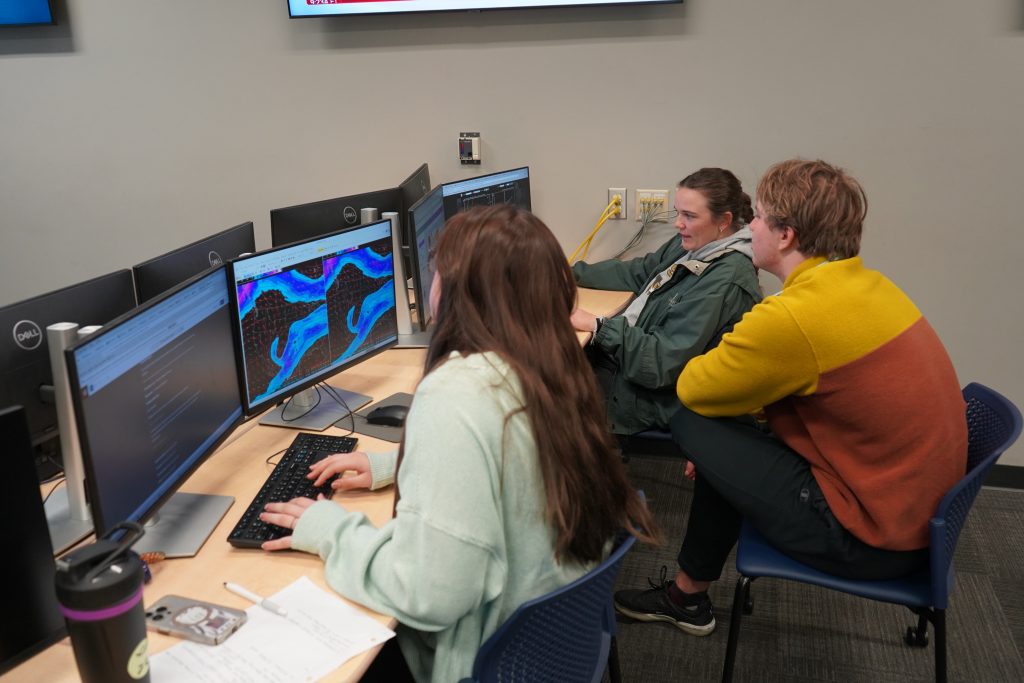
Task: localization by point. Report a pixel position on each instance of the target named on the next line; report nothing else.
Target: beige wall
(140, 125)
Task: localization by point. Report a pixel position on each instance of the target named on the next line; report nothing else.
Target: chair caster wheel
(915, 638)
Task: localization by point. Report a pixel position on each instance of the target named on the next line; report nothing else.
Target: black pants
(744, 472)
(388, 666)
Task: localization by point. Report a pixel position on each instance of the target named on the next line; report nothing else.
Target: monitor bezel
(17, 445)
(423, 312)
(148, 263)
(38, 411)
(451, 183)
(448, 10)
(390, 195)
(255, 409)
(52, 22)
(416, 179)
(95, 500)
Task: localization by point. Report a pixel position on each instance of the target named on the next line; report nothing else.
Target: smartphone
(203, 622)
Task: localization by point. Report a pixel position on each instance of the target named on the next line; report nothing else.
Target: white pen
(252, 597)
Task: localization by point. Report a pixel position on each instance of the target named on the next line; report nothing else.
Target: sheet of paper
(319, 634)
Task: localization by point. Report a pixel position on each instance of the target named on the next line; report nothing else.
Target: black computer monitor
(306, 311)
(155, 392)
(425, 219)
(30, 617)
(25, 376)
(505, 187)
(301, 222)
(412, 190)
(159, 274)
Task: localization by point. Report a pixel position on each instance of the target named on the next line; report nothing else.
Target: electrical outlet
(652, 206)
(622, 213)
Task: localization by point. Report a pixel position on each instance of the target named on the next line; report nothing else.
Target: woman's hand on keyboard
(285, 515)
(357, 463)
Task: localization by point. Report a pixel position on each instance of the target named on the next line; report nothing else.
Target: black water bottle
(99, 588)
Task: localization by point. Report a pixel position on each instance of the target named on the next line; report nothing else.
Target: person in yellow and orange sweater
(867, 423)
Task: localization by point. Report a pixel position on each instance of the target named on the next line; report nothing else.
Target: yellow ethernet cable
(609, 211)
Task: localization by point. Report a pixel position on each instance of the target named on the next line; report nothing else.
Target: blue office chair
(650, 442)
(565, 636)
(993, 424)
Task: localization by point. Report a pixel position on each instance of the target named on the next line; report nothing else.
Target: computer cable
(612, 209)
(344, 404)
(303, 414)
(648, 215)
(56, 466)
(274, 455)
(55, 487)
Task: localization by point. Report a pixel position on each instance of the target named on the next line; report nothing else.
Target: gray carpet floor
(804, 633)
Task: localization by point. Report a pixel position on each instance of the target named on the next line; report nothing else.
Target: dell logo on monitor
(27, 335)
(350, 215)
(215, 259)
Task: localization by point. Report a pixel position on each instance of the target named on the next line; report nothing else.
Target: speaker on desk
(30, 618)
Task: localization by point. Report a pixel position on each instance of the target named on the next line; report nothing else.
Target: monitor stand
(415, 340)
(65, 530)
(183, 524)
(298, 413)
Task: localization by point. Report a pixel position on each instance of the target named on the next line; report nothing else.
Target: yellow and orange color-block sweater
(852, 377)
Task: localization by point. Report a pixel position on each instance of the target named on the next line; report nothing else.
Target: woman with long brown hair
(509, 482)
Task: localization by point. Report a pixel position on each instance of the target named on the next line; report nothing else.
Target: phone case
(203, 622)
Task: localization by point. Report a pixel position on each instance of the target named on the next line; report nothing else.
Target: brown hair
(506, 287)
(723, 192)
(822, 203)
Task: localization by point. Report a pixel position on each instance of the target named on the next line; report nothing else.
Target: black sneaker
(654, 604)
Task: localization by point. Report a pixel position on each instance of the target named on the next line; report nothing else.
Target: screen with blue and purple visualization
(314, 8)
(307, 310)
(25, 12)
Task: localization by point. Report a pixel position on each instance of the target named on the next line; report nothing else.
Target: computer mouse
(390, 416)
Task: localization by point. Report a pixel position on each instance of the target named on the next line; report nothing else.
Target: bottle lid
(101, 574)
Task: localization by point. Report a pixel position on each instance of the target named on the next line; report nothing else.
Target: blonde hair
(822, 204)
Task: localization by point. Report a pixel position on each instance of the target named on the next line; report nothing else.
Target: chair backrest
(563, 636)
(993, 424)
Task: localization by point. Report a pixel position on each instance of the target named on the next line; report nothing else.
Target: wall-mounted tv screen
(319, 8)
(26, 12)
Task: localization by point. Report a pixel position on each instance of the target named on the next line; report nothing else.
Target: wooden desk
(600, 302)
(238, 468)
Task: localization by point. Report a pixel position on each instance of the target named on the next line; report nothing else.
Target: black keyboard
(287, 481)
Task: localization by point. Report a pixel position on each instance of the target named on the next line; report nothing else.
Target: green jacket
(681, 320)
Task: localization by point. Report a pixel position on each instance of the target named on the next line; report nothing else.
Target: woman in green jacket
(509, 485)
(689, 293)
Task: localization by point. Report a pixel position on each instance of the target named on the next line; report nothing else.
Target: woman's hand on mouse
(356, 462)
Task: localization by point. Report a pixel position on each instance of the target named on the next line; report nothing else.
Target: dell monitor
(30, 617)
(412, 190)
(301, 222)
(322, 8)
(159, 274)
(425, 219)
(26, 12)
(25, 375)
(306, 311)
(156, 391)
(506, 187)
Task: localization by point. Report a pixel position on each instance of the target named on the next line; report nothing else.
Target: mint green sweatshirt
(469, 543)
